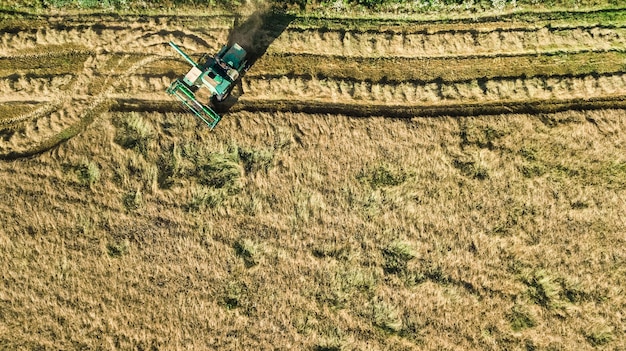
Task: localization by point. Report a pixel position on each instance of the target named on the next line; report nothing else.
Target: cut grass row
(446, 69)
(432, 42)
(530, 61)
(427, 41)
(439, 39)
(59, 61)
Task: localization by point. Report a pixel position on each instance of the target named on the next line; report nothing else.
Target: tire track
(68, 113)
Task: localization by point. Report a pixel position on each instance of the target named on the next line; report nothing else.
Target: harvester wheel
(228, 100)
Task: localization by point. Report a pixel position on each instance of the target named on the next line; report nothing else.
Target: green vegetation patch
(611, 174)
(386, 316)
(383, 176)
(88, 172)
(203, 198)
(235, 294)
(133, 200)
(600, 336)
(614, 173)
(345, 286)
(472, 168)
(255, 160)
(520, 318)
(397, 255)
(117, 248)
(553, 292)
(135, 133)
(543, 289)
(248, 251)
(220, 170)
(217, 174)
(480, 135)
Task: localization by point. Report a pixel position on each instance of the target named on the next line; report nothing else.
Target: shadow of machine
(255, 34)
(258, 32)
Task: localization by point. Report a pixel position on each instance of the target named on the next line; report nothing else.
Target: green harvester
(218, 74)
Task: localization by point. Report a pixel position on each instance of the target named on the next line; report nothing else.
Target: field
(378, 182)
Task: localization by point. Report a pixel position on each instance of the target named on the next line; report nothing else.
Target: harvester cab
(218, 75)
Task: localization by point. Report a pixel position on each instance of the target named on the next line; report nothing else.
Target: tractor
(218, 74)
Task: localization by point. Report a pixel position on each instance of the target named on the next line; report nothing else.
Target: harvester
(218, 74)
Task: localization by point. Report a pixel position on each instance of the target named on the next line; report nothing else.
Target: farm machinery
(218, 75)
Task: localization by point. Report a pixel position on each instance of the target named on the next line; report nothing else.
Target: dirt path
(56, 73)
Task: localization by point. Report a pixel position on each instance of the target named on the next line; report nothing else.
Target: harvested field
(73, 64)
(381, 184)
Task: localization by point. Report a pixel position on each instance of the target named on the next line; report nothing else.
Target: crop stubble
(53, 73)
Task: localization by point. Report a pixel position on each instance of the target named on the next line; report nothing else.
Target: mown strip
(50, 63)
(606, 17)
(447, 69)
(394, 70)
